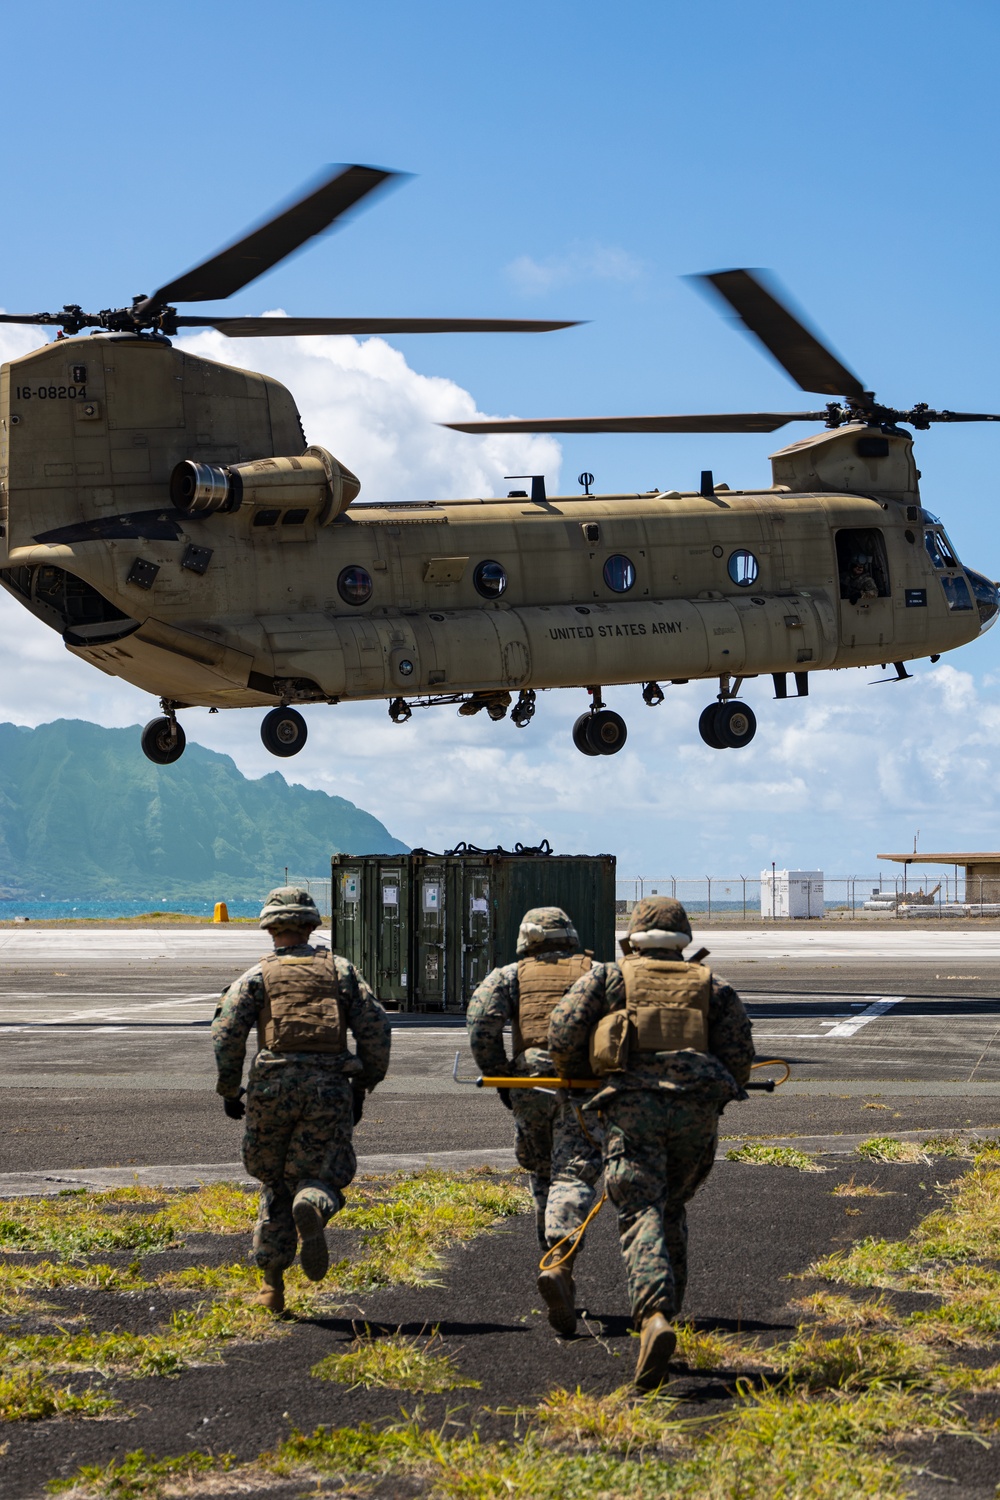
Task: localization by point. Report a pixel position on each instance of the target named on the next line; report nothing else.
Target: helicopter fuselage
(285, 597)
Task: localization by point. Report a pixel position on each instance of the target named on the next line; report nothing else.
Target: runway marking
(854, 1023)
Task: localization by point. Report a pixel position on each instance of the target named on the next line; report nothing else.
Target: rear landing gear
(283, 731)
(728, 725)
(601, 731)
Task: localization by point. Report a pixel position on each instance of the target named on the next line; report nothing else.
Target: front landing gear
(283, 731)
(600, 731)
(163, 740)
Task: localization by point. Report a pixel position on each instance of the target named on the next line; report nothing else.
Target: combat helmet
(545, 927)
(657, 922)
(289, 906)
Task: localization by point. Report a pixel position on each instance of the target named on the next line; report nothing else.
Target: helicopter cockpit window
(294, 518)
(939, 550)
(489, 579)
(619, 573)
(956, 591)
(354, 585)
(743, 568)
(862, 564)
(266, 517)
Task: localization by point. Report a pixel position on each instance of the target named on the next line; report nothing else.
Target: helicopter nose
(987, 596)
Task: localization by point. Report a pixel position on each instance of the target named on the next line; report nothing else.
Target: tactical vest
(302, 1010)
(666, 1010)
(541, 983)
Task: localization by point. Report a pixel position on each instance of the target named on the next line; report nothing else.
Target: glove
(358, 1090)
(235, 1108)
(504, 1096)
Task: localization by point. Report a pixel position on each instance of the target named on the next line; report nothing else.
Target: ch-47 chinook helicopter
(164, 513)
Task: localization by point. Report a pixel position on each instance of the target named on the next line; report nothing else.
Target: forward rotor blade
(806, 359)
(255, 328)
(50, 319)
(263, 248)
(741, 421)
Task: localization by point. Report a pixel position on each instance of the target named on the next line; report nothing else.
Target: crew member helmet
(546, 927)
(289, 906)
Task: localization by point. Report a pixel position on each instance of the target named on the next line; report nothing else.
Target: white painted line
(854, 1023)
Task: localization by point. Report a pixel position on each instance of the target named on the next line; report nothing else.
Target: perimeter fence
(738, 897)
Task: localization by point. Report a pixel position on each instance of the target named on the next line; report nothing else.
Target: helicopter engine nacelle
(315, 483)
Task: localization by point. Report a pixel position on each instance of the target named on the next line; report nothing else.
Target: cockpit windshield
(940, 550)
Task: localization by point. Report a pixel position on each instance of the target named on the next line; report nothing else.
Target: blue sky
(571, 160)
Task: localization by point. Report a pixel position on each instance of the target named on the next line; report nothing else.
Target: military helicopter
(165, 514)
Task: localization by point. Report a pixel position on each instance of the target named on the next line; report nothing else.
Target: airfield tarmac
(107, 1062)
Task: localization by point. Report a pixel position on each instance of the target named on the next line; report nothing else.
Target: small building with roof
(982, 870)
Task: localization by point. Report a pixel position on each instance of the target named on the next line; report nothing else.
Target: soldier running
(306, 1089)
(552, 1142)
(675, 1045)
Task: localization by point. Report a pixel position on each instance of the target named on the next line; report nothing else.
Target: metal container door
(388, 979)
(477, 930)
(430, 926)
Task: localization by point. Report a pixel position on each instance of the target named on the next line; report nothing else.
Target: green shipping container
(424, 929)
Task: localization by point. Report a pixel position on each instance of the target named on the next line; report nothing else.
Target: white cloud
(828, 781)
(579, 263)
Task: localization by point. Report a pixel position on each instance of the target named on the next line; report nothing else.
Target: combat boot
(657, 1343)
(559, 1295)
(313, 1254)
(272, 1294)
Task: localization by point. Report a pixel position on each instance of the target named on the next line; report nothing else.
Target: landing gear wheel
(606, 732)
(707, 729)
(163, 741)
(283, 731)
(735, 724)
(580, 739)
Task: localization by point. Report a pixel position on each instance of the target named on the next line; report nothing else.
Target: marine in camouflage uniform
(305, 1090)
(660, 1108)
(561, 1151)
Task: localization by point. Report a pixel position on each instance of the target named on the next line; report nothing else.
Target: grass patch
(830, 1308)
(26, 1397)
(394, 1362)
(137, 1219)
(139, 1475)
(852, 1189)
(756, 1154)
(890, 1148)
(710, 1350)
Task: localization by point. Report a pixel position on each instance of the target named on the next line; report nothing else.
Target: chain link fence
(739, 897)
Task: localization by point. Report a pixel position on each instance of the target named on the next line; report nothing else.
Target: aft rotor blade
(263, 248)
(255, 328)
(955, 416)
(806, 359)
(741, 421)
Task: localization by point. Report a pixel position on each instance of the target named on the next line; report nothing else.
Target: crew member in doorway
(306, 1087)
(553, 1142)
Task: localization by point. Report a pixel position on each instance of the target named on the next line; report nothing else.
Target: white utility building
(791, 893)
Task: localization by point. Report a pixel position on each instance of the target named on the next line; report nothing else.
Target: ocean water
(41, 910)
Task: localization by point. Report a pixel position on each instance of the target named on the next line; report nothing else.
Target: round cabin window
(355, 585)
(743, 568)
(619, 573)
(490, 579)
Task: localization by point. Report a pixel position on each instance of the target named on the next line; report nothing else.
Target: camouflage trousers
(551, 1144)
(297, 1143)
(659, 1148)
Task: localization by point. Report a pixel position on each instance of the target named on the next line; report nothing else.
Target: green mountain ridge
(84, 813)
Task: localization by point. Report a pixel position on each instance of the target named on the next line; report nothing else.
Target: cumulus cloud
(580, 263)
(361, 399)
